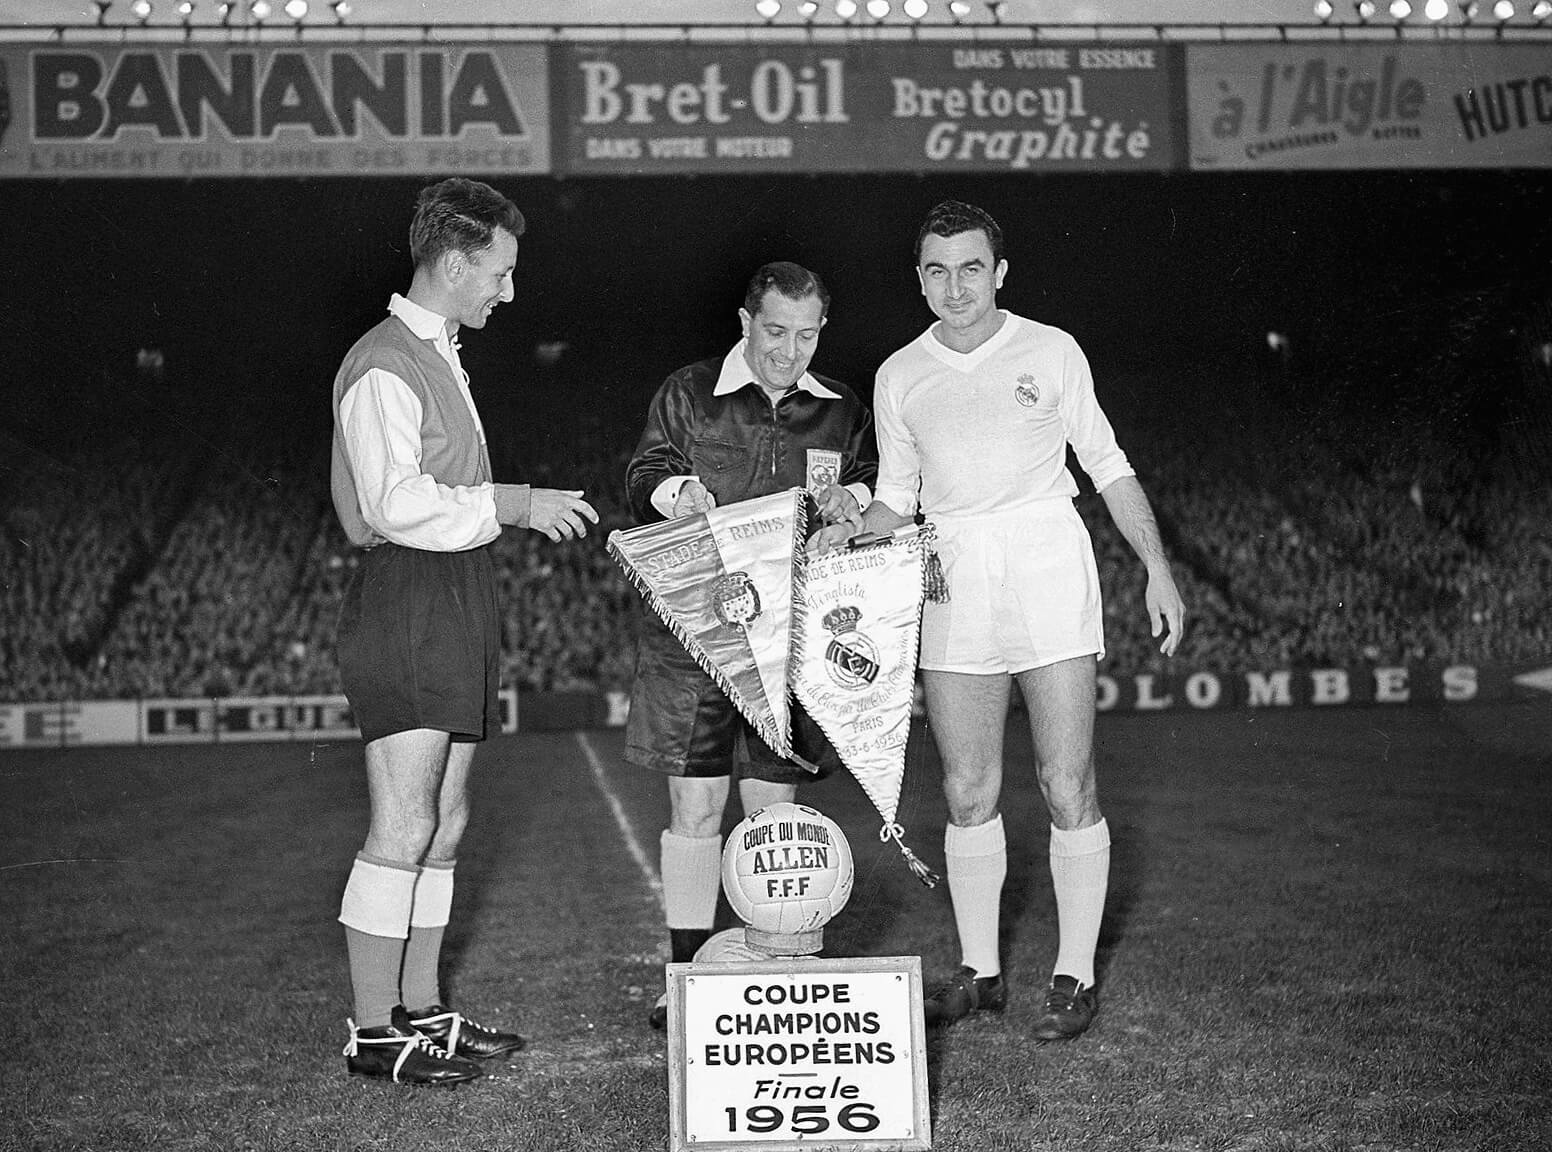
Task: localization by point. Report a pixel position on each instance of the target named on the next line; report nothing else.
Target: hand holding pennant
(854, 662)
(723, 582)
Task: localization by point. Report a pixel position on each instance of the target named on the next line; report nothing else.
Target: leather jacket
(740, 445)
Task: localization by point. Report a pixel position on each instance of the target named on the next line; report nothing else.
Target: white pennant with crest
(854, 662)
(723, 581)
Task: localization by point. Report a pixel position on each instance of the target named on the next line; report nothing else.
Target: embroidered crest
(851, 660)
(735, 600)
(1028, 392)
(824, 469)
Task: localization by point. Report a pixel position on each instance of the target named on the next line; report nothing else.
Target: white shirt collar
(735, 374)
(423, 322)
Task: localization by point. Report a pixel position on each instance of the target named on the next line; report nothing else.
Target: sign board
(56, 724)
(147, 110)
(1279, 107)
(489, 109)
(634, 109)
(787, 1054)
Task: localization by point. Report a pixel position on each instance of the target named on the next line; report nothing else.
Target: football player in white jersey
(974, 420)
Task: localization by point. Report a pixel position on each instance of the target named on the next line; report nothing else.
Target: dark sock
(374, 976)
(684, 943)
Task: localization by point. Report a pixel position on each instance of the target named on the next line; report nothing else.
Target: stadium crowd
(138, 567)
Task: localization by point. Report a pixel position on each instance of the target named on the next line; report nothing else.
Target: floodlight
(768, 9)
(1468, 11)
(845, 9)
(1541, 10)
(1436, 10)
(1503, 10)
(297, 10)
(260, 10)
(141, 10)
(915, 9)
(958, 9)
(1365, 10)
(1400, 9)
(1324, 10)
(878, 9)
(808, 9)
(224, 10)
(341, 10)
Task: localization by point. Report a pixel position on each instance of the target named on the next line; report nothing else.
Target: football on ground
(787, 871)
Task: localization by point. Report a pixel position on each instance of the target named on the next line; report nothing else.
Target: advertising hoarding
(631, 109)
(148, 110)
(1369, 105)
(622, 108)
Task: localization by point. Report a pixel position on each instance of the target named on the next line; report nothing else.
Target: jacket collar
(735, 374)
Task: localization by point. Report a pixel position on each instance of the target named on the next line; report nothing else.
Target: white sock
(1080, 875)
(976, 860)
(692, 877)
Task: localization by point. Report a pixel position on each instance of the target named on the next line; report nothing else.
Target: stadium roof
(177, 20)
(54, 13)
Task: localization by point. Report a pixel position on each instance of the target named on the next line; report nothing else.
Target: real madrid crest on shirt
(723, 583)
(1028, 392)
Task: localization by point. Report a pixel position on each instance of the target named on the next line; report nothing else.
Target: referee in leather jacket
(748, 424)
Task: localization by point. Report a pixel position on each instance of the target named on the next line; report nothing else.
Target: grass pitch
(1326, 931)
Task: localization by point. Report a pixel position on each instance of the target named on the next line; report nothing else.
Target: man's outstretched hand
(560, 513)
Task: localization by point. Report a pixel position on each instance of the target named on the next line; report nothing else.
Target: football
(787, 871)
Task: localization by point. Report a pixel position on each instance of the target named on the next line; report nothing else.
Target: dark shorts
(682, 724)
(420, 641)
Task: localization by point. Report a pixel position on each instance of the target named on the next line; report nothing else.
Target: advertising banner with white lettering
(1371, 105)
(884, 107)
(103, 110)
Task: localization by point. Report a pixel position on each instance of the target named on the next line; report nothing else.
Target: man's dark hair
(459, 215)
(790, 280)
(952, 217)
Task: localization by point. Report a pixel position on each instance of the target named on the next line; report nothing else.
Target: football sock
(692, 877)
(976, 860)
(375, 911)
(684, 943)
(1080, 874)
(419, 984)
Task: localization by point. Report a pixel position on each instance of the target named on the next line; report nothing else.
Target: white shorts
(1023, 592)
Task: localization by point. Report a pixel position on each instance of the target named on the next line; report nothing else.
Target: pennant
(723, 582)
(854, 660)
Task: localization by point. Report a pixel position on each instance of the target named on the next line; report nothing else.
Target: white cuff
(666, 494)
(378, 899)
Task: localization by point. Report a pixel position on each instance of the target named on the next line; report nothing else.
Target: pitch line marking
(64, 860)
(627, 830)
